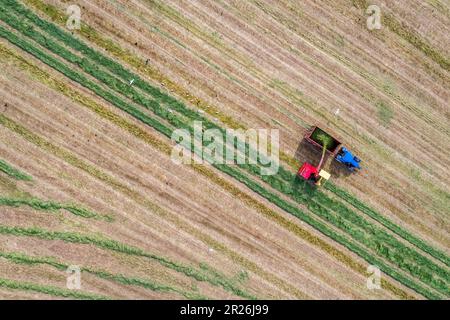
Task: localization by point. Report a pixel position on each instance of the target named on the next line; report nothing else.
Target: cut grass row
(139, 198)
(405, 32)
(289, 208)
(20, 258)
(13, 172)
(159, 96)
(165, 148)
(438, 283)
(57, 16)
(126, 90)
(130, 58)
(51, 206)
(374, 237)
(49, 290)
(203, 273)
(419, 243)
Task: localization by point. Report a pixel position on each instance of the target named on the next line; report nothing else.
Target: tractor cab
(345, 157)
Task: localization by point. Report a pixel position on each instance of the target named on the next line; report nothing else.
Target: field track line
(20, 258)
(52, 291)
(13, 172)
(436, 284)
(51, 206)
(202, 274)
(157, 143)
(120, 54)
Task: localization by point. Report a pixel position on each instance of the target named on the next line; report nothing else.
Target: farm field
(87, 179)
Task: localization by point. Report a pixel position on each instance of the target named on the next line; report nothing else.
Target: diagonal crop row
(165, 148)
(13, 172)
(413, 269)
(55, 15)
(291, 209)
(388, 223)
(53, 291)
(20, 258)
(199, 274)
(160, 97)
(52, 206)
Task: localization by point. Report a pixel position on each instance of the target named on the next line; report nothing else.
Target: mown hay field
(87, 180)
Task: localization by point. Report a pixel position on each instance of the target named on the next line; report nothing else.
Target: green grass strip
(52, 291)
(108, 244)
(69, 72)
(125, 75)
(13, 173)
(436, 283)
(405, 32)
(388, 224)
(52, 206)
(365, 232)
(118, 78)
(20, 258)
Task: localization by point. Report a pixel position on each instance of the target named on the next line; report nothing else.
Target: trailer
(312, 134)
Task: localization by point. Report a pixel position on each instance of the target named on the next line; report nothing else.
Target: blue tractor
(345, 157)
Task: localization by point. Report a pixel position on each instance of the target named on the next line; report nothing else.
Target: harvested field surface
(89, 188)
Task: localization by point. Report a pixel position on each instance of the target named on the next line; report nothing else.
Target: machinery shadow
(339, 170)
(305, 152)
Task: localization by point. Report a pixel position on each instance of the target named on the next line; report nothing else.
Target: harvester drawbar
(329, 146)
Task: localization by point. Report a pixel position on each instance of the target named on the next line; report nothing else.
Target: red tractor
(308, 172)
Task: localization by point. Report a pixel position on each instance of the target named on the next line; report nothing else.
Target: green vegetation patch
(52, 291)
(52, 206)
(349, 222)
(12, 172)
(20, 258)
(198, 274)
(385, 113)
